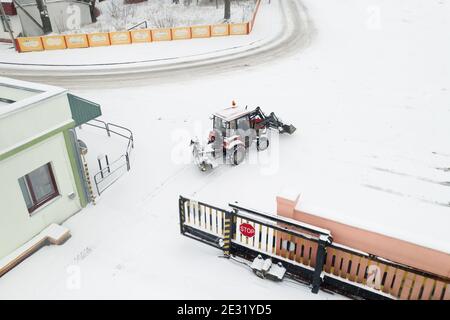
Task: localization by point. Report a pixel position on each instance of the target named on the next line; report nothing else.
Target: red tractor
(234, 131)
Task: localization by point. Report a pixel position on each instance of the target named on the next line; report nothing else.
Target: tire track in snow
(155, 191)
(216, 172)
(204, 181)
(397, 193)
(406, 175)
(398, 185)
(295, 35)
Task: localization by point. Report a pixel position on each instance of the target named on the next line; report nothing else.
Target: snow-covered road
(367, 85)
(289, 30)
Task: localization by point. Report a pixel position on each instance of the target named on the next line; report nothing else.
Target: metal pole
(320, 261)
(227, 229)
(8, 26)
(127, 158)
(107, 163)
(99, 160)
(182, 214)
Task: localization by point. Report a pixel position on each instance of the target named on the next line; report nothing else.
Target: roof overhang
(83, 110)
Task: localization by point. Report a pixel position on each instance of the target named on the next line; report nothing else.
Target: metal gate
(307, 252)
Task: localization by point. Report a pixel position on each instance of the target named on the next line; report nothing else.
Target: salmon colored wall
(396, 250)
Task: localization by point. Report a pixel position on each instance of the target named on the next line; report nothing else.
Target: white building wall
(33, 120)
(60, 14)
(16, 26)
(16, 224)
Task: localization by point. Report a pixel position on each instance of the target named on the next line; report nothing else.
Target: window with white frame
(38, 187)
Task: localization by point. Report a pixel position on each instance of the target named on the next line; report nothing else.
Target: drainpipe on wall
(76, 147)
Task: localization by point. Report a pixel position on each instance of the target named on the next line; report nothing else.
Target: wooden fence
(307, 252)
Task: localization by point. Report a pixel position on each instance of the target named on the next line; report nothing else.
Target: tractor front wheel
(238, 154)
(262, 143)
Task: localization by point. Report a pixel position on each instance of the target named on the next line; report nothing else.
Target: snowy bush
(116, 15)
(120, 14)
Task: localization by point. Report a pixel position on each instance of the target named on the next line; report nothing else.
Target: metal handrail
(106, 169)
(97, 120)
(130, 137)
(130, 145)
(106, 126)
(110, 172)
(285, 221)
(137, 25)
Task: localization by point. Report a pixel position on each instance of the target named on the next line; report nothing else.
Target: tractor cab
(230, 119)
(232, 123)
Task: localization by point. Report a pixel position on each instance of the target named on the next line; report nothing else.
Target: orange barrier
(219, 30)
(141, 36)
(30, 44)
(181, 33)
(120, 37)
(27, 44)
(76, 41)
(239, 29)
(201, 31)
(161, 34)
(98, 39)
(54, 42)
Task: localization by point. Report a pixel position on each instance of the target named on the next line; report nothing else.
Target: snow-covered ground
(370, 98)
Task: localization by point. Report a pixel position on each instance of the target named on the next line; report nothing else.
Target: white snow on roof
(231, 113)
(289, 193)
(380, 220)
(42, 91)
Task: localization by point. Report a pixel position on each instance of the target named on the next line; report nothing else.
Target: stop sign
(247, 230)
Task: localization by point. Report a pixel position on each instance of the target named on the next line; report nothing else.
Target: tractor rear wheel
(262, 143)
(238, 154)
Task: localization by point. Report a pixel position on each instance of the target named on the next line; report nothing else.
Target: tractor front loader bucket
(272, 121)
(288, 129)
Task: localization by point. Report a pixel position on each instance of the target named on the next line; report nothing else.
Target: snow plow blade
(288, 129)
